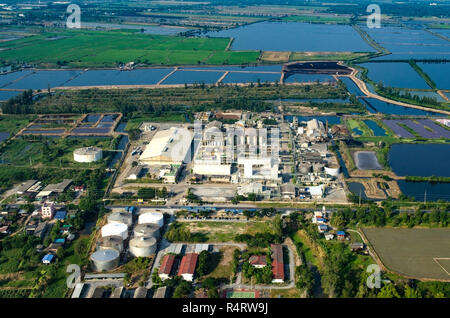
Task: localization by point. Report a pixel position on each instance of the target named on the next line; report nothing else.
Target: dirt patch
(274, 56)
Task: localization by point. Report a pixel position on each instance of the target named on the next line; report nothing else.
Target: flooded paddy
(191, 77)
(294, 36)
(366, 160)
(422, 160)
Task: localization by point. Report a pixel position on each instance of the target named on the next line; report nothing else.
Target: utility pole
(425, 197)
(360, 197)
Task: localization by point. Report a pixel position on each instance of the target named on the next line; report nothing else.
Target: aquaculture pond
(376, 129)
(149, 76)
(332, 120)
(357, 189)
(400, 75)
(304, 78)
(7, 78)
(238, 77)
(191, 77)
(366, 160)
(422, 160)
(5, 95)
(377, 106)
(294, 36)
(44, 79)
(434, 191)
(406, 43)
(438, 72)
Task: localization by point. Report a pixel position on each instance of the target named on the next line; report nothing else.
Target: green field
(241, 294)
(418, 253)
(51, 152)
(75, 48)
(13, 124)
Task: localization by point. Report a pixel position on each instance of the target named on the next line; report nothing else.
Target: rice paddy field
(411, 128)
(417, 253)
(102, 49)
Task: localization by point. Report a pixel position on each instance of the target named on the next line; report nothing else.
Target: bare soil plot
(417, 253)
(273, 56)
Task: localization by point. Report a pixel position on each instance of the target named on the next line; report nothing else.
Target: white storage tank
(121, 217)
(105, 260)
(332, 170)
(143, 246)
(148, 229)
(118, 229)
(113, 241)
(151, 217)
(87, 154)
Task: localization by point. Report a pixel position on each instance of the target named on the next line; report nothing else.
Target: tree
(388, 291)
(183, 290)
(410, 292)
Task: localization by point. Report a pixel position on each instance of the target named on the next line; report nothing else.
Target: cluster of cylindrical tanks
(105, 259)
(121, 217)
(108, 242)
(151, 217)
(146, 230)
(143, 243)
(143, 246)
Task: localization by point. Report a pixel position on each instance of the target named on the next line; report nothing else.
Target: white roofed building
(170, 146)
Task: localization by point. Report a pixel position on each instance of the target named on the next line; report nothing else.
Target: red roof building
(166, 266)
(187, 266)
(258, 261)
(277, 263)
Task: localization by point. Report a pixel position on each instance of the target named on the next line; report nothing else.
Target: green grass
(240, 294)
(60, 151)
(75, 48)
(13, 124)
(359, 125)
(300, 56)
(136, 121)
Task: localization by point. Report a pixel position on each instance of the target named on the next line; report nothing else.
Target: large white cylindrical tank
(118, 229)
(121, 217)
(148, 229)
(113, 241)
(105, 260)
(332, 170)
(143, 246)
(87, 154)
(151, 217)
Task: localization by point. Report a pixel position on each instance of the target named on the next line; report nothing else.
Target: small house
(258, 261)
(340, 235)
(322, 228)
(47, 259)
(329, 236)
(357, 246)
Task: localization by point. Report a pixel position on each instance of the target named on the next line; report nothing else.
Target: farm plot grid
(418, 253)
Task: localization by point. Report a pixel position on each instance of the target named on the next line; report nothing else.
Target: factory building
(187, 266)
(165, 271)
(167, 147)
(277, 263)
(87, 154)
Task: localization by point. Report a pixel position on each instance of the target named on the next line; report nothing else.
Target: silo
(151, 217)
(332, 170)
(113, 241)
(148, 229)
(105, 260)
(143, 246)
(119, 229)
(121, 217)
